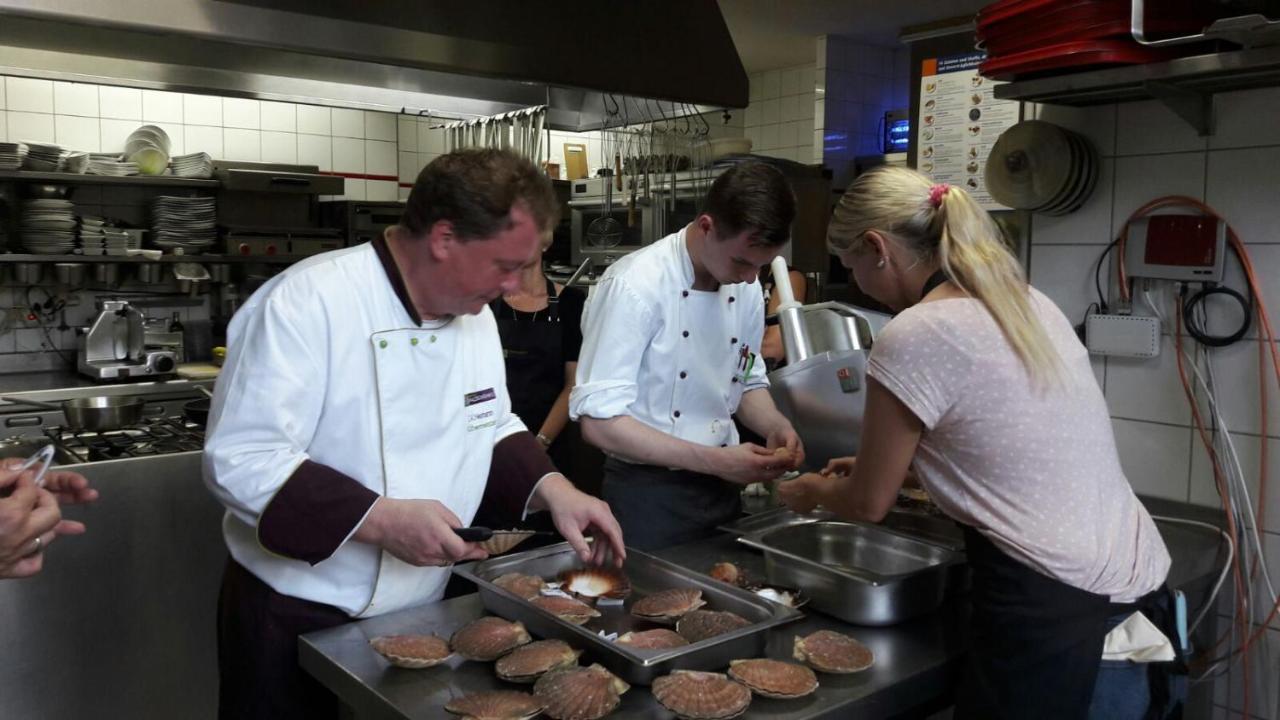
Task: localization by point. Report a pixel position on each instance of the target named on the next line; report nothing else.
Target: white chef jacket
(674, 358)
(325, 363)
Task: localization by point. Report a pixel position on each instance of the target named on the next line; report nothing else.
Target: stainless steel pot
(105, 412)
(150, 273)
(106, 273)
(28, 273)
(71, 274)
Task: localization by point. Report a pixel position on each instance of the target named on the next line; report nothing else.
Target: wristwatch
(546, 441)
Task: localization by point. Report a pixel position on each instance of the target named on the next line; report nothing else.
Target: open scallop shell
(830, 652)
(525, 586)
(599, 582)
(503, 540)
(656, 639)
(412, 651)
(694, 695)
(488, 638)
(703, 624)
(584, 693)
(667, 606)
(526, 663)
(496, 705)
(728, 573)
(567, 609)
(774, 678)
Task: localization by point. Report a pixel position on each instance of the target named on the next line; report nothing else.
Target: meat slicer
(115, 346)
(822, 388)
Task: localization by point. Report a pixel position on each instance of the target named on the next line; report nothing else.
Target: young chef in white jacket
(362, 414)
(671, 342)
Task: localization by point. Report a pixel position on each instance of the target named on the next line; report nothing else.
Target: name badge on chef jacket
(746, 361)
(481, 412)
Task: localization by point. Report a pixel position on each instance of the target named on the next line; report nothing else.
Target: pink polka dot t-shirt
(1034, 470)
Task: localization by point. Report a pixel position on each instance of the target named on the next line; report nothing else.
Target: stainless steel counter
(915, 670)
(65, 385)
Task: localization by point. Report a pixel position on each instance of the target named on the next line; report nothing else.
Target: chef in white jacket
(670, 353)
(362, 414)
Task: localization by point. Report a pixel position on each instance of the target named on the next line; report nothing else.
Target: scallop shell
(656, 639)
(525, 586)
(774, 678)
(488, 638)
(584, 693)
(727, 573)
(567, 609)
(703, 624)
(596, 583)
(502, 541)
(668, 605)
(694, 695)
(830, 652)
(496, 705)
(412, 651)
(526, 663)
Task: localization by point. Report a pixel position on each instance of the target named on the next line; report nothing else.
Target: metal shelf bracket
(1197, 108)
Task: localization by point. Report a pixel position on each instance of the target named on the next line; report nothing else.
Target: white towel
(1137, 639)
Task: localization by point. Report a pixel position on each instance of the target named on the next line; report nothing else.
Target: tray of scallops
(645, 620)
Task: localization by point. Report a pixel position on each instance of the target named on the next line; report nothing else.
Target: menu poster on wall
(959, 120)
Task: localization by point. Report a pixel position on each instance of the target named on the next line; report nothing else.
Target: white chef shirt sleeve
(617, 326)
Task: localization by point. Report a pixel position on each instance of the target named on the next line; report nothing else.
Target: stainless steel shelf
(1187, 85)
(61, 178)
(135, 260)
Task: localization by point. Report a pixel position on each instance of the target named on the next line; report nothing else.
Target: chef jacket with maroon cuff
(336, 392)
(673, 358)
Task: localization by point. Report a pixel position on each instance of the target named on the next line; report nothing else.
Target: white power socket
(1122, 335)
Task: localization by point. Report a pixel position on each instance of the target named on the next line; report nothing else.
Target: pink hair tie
(936, 192)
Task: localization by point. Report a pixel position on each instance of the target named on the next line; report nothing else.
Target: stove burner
(154, 436)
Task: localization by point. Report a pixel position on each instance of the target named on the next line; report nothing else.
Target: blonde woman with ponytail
(980, 389)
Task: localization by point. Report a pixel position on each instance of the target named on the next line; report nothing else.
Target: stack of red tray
(1038, 37)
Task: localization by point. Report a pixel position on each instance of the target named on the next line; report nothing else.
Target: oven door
(638, 230)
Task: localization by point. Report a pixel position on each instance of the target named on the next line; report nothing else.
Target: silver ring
(39, 546)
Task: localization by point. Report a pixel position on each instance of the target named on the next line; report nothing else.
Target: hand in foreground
(803, 493)
(419, 532)
(786, 445)
(840, 466)
(747, 463)
(576, 514)
(29, 521)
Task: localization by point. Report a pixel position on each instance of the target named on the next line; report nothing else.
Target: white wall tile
(769, 111)
(3, 103)
(424, 159)
(755, 87)
(157, 106)
(1142, 179)
(314, 120)
(1155, 458)
(770, 84)
(1204, 489)
(200, 138)
(408, 166)
(279, 116)
(177, 136)
(77, 133)
(37, 127)
(380, 157)
(314, 149)
(347, 123)
(1091, 224)
(4, 126)
(348, 155)
(75, 99)
(1148, 389)
(241, 113)
(1097, 122)
(120, 103)
(379, 126)
(241, 144)
(29, 95)
(1241, 186)
(1062, 272)
(789, 81)
(114, 133)
(354, 190)
(381, 191)
(1150, 127)
(1225, 315)
(751, 117)
(1239, 118)
(407, 133)
(789, 108)
(202, 110)
(804, 106)
(768, 137)
(787, 136)
(1236, 367)
(403, 193)
(280, 147)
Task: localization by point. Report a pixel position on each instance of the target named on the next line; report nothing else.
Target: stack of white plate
(194, 165)
(102, 164)
(48, 226)
(42, 157)
(75, 162)
(148, 146)
(187, 223)
(12, 155)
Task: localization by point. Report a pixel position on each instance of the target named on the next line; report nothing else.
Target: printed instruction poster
(959, 120)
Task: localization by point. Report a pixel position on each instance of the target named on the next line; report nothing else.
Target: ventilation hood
(455, 58)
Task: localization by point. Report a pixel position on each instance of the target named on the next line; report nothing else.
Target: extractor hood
(453, 57)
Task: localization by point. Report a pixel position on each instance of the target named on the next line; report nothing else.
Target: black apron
(660, 507)
(1037, 642)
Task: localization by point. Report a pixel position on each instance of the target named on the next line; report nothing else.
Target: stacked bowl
(148, 147)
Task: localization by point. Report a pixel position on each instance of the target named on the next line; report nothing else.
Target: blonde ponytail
(947, 225)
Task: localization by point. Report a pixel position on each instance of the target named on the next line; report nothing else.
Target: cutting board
(575, 161)
(198, 371)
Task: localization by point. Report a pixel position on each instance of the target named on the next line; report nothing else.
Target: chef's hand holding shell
(787, 448)
(745, 463)
(577, 514)
(419, 532)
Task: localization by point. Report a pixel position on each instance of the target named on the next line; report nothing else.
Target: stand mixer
(115, 346)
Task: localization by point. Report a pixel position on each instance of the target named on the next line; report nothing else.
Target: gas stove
(153, 436)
